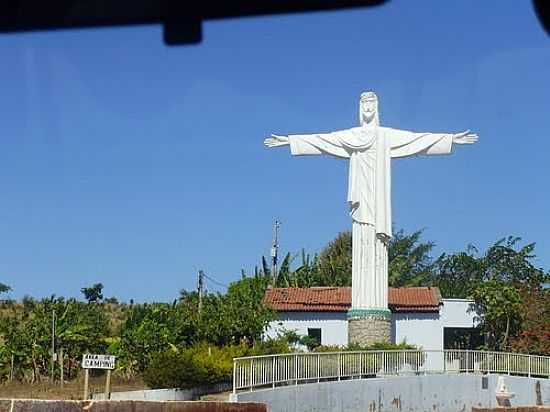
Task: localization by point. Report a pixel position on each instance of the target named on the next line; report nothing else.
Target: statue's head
(368, 108)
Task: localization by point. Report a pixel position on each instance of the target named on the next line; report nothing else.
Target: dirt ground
(72, 390)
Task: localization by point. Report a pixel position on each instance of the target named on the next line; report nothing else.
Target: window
(462, 338)
(314, 333)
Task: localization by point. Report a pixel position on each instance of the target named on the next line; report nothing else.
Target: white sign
(90, 361)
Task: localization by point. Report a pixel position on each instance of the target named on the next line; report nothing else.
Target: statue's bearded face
(369, 108)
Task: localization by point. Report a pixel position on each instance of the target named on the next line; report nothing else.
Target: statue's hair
(376, 114)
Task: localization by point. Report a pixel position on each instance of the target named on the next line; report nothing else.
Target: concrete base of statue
(368, 326)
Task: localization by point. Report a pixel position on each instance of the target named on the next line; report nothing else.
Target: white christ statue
(369, 148)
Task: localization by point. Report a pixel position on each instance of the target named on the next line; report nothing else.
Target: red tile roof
(338, 299)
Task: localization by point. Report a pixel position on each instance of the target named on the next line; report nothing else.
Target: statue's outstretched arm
(276, 141)
(404, 143)
(465, 138)
(311, 144)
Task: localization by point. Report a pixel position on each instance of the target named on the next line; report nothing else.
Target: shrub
(166, 370)
(268, 347)
(195, 366)
(374, 346)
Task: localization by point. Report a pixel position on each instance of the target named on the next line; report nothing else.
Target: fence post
(273, 372)
(234, 376)
(318, 367)
(251, 378)
(247, 377)
(339, 365)
(296, 368)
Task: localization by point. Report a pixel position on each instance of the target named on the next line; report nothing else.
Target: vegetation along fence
(297, 368)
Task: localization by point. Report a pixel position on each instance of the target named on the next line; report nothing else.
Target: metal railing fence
(296, 368)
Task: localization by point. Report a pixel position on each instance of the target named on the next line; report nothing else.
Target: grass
(70, 390)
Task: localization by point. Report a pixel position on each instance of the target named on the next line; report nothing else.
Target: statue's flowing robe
(370, 150)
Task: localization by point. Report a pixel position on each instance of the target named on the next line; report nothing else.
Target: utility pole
(61, 371)
(200, 289)
(54, 321)
(274, 250)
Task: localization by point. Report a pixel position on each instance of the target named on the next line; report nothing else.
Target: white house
(420, 316)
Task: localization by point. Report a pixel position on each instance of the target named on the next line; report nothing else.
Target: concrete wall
(26, 405)
(512, 409)
(527, 391)
(333, 325)
(429, 393)
(166, 394)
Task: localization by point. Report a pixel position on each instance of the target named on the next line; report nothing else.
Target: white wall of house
(457, 313)
(424, 330)
(420, 329)
(333, 325)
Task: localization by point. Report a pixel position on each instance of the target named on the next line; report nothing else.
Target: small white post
(108, 385)
(86, 382)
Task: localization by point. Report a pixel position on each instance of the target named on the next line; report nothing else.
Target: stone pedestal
(366, 327)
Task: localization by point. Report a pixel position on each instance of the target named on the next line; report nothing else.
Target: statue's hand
(465, 138)
(275, 141)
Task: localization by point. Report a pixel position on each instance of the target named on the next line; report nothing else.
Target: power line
(217, 282)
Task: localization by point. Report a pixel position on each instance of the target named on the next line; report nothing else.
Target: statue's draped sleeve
(316, 144)
(404, 143)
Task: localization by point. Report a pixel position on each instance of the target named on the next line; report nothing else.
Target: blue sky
(133, 164)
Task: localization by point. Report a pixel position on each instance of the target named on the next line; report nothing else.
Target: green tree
(335, 261)
(304, 276)
(27, 334)
(509, 278)
(456, 274)
(4, 288)
(150, 329)
(93, 293)
(80, 328)
(502, 281)
(498, 305)
(410, 263)
(243, 314)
